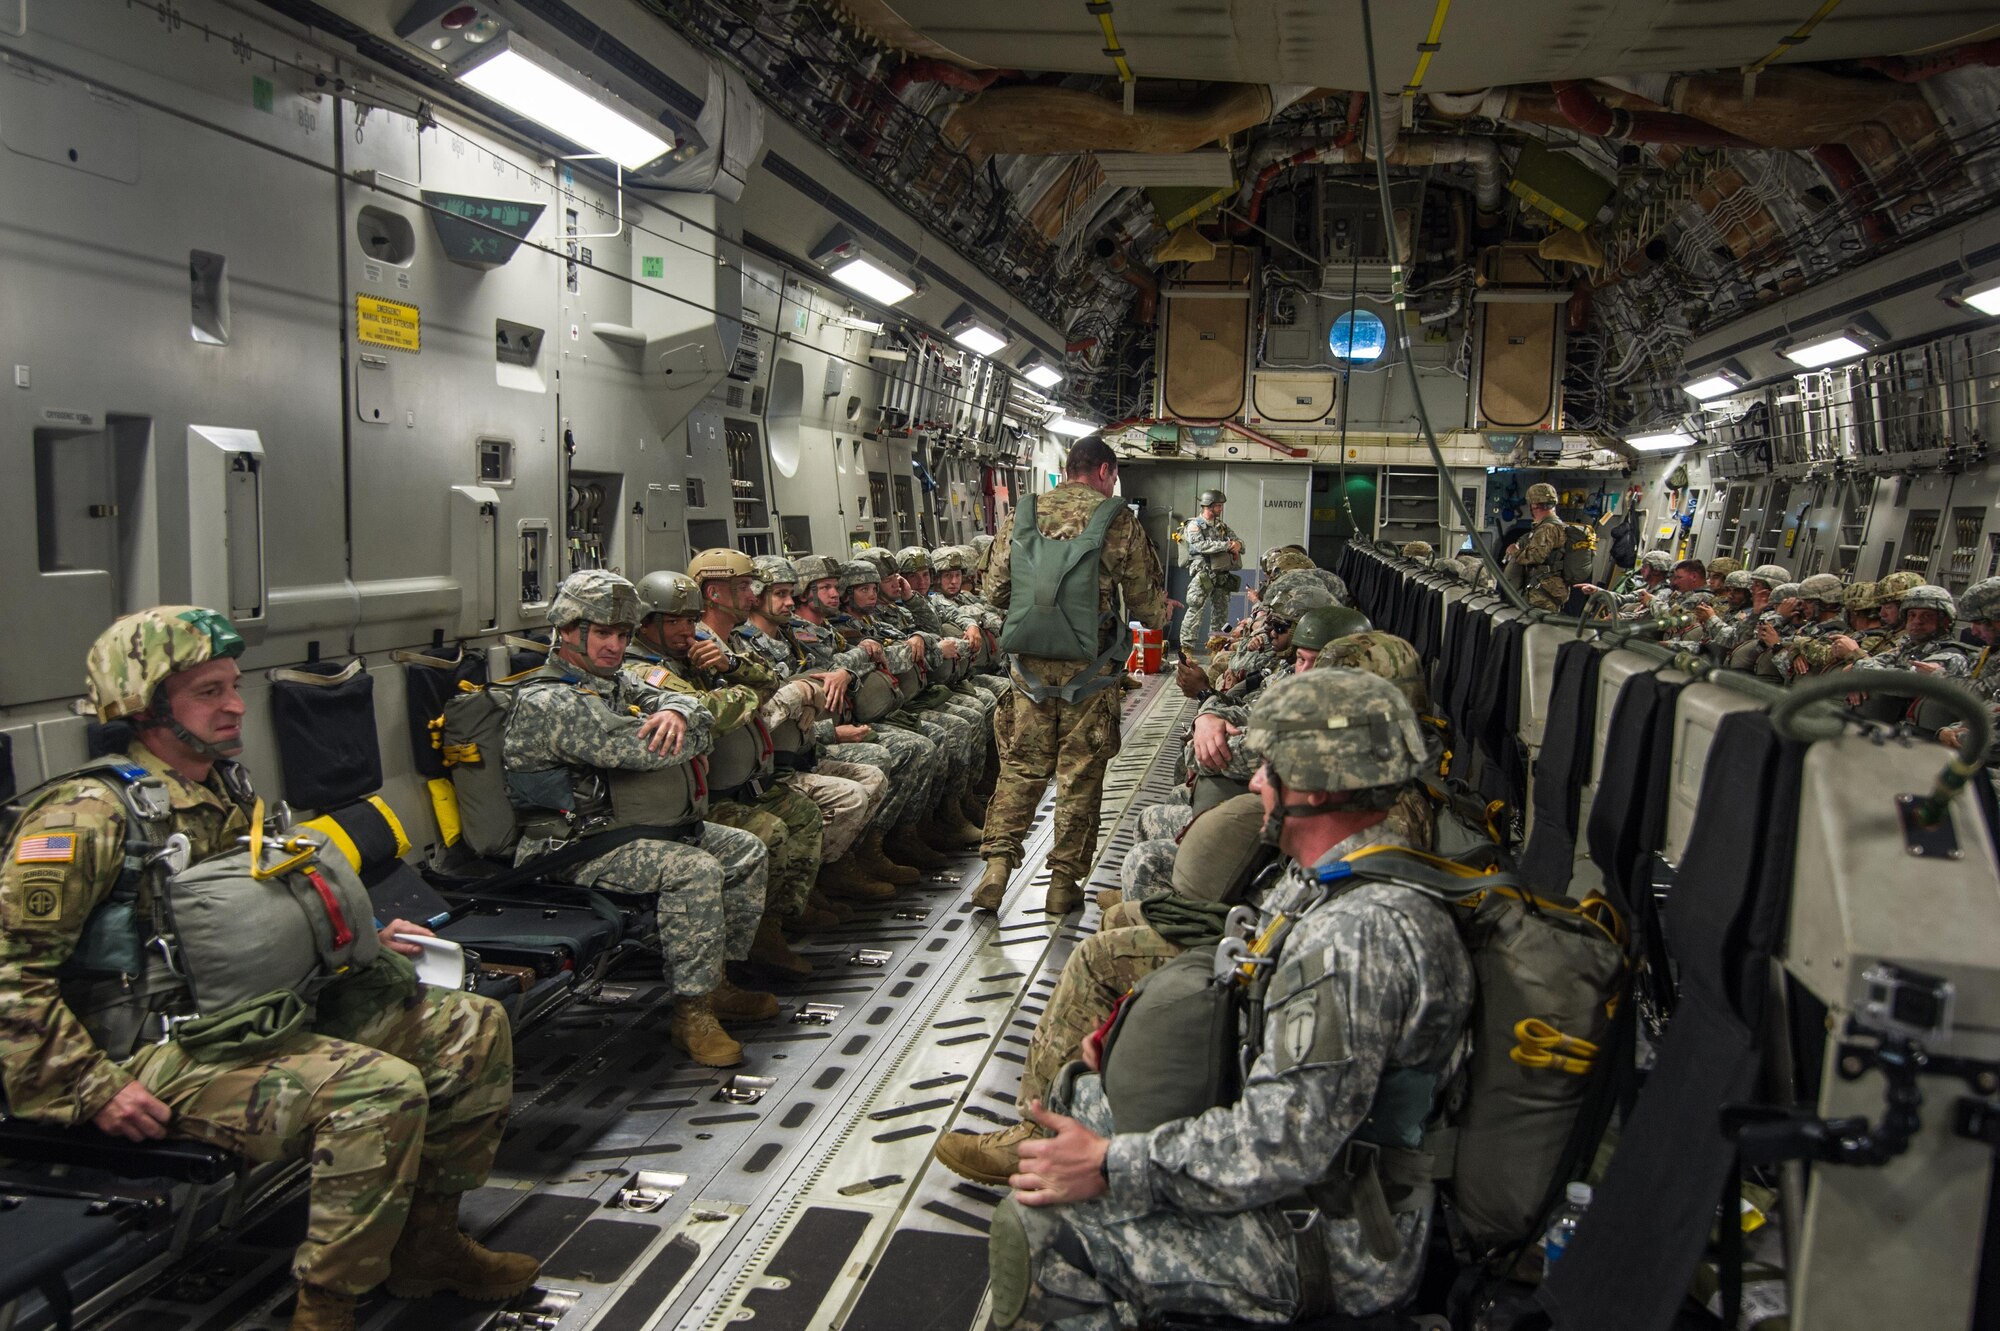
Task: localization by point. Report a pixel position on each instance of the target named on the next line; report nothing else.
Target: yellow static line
(1787, 43)
(1427, 48)
(1102, 8)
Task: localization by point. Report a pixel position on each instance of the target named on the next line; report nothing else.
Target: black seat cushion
(175, 1158)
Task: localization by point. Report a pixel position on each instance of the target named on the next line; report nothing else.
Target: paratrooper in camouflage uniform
(1979, 607)
(1536, 564)
(1210, 547)
(1811, 649)
(1925, 644)
(581, 717)
(396, 1092)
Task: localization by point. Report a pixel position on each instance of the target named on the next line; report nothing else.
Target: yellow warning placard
(387, 323)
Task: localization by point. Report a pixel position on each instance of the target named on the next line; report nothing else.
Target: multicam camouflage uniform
(406, 1090)
(708, 891)
(1204, 540)
(1540, 561)
(1072, 742)
(1372, 982)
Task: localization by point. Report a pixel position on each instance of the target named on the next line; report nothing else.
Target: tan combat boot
(960, 828)
(770, 952)
(695, 1032)
(973, 806)
(986, 1157)
(820, 901)
(910, 848)
(1109, 897)
(1064, 895)
(816, 917)
(846, 880)
(730, 1003)
(992, 885)
(434, 1257)
(870, 855)
(937, 833)
(322, 1310)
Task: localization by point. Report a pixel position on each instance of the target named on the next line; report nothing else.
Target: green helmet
(1736, 580)
(1862, 596)
(1283, 559)
(1657, 559)
(1929, 596)
(1822, 587)
(1292, 600)
(1981, 601)
(913, 559)
(1771, 575)
(1385, 656)
(670, 593)
(1899, 585)
(815, 568)
(768, 571)
(596, 596)
(1336, 730)
(1318, 627)
(859, 573)
(1723, 564)
(950, 559)
(883, 560)
(1541, 492)
(1210, 498)
(131, 659)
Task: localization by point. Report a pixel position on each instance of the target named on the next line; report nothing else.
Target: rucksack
(1579, 553)
(474, 733)
(1053, 612)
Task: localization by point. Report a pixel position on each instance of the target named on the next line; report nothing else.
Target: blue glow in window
(1358, 335)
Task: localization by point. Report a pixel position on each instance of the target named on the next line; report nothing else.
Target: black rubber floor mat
(924, 1282)
(649, 1292)
(600, 1252)
(810, 1260)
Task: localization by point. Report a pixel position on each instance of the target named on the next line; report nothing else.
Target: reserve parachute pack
(1550, 975)
(164, 956)
(1579, 553)
(1052, 612)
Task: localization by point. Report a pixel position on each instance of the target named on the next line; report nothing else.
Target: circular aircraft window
(1358, 335)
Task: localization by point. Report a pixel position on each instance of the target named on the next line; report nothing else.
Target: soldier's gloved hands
(1767, 634)
(1067, 1167)
(135, 1114)
(388, 936)
(1211, 741)
(852, 734)
(663, 731)
(708, 655)
(836, 683)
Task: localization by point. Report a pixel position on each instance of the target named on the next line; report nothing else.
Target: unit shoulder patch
(41, 904)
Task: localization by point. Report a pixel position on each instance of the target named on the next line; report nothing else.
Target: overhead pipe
(1917, 68)
(1583, 110)
(1235, 427)
(1303, 157)
(1800, 108)
(1850, 181)
(925, 70)
(1480, 152)
(1038, 120)
(1118, 261)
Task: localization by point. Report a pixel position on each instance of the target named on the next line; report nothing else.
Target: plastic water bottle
(1555, 1240)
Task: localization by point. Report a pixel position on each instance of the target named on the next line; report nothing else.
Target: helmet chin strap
(1274, 821)
(580, 651)
(214, 752)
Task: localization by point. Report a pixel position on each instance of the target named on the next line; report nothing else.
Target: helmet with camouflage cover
(1723, 565)
(1898, 585)
(1321, 625)
(1771, 575)
(1336, 730)
(595, 596)
(1737, 580)
(1981, 601)
(669, 593)
(883, 560)
(1657, 559)
(1784, 591)
(1416, 550)
(913, 559)
(768, 571)
(1283, 559)
(950, 559)
(1693, 599)
(1541, 492)
(859, 573)
(1447, 567)
(131, 659)
(1325, 579)
(720, 562)
(1929, 596)
(1862, 597)
(1822, 587)
(815, 568)
(1385, 656)
(981, 544)
(1291, 601)
(1210, 498)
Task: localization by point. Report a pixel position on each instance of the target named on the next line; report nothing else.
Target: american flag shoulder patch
(657, 676)
(46, 849)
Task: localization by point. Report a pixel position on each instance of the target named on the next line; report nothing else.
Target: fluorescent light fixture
(856, 323)
(533, 83)
(1661, 442)
(1832, 348)
(1041, 373)
(981, 339)
(1976, 293)
(1070, 426)
(1723, 380)
(854, 267)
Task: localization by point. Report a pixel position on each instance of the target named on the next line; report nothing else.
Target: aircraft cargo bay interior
(854, 665)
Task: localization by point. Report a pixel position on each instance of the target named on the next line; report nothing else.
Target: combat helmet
(1896, 586)
(1784, 591)
(1541, 492)
(596, 596)
(1930, 596)
(720, 562)
(1771, 575)
(1416, 550)
(669, 593)
(131, 659)
(859, 573)
(1822, 587)
(1283, 559)
(1321, 625)
(913, 559)
(1337, 730)
(1657, 559)
(950, 558)
(1293, 600)
(1737, 580)
(1210, 498)
(1308, 577)
(1724, 565)
(815, 568)
(1385, 656)
(1862, 597)
(768, 571)
(1980, 601)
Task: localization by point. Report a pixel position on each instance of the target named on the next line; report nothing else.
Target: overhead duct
(1036, 120)
(1119, 262)
(1482, 154)
(1801, 108)
(1584, 110)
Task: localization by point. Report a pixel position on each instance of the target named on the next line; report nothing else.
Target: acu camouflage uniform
(790, 825)
(1198, 1215)
(398, 1086)
(957, 734)
(1204, 539)
(1072, 742)
(709, 889)
(1952, 658)
(1540, 561)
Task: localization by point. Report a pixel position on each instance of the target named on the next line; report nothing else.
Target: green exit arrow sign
(480, 232)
